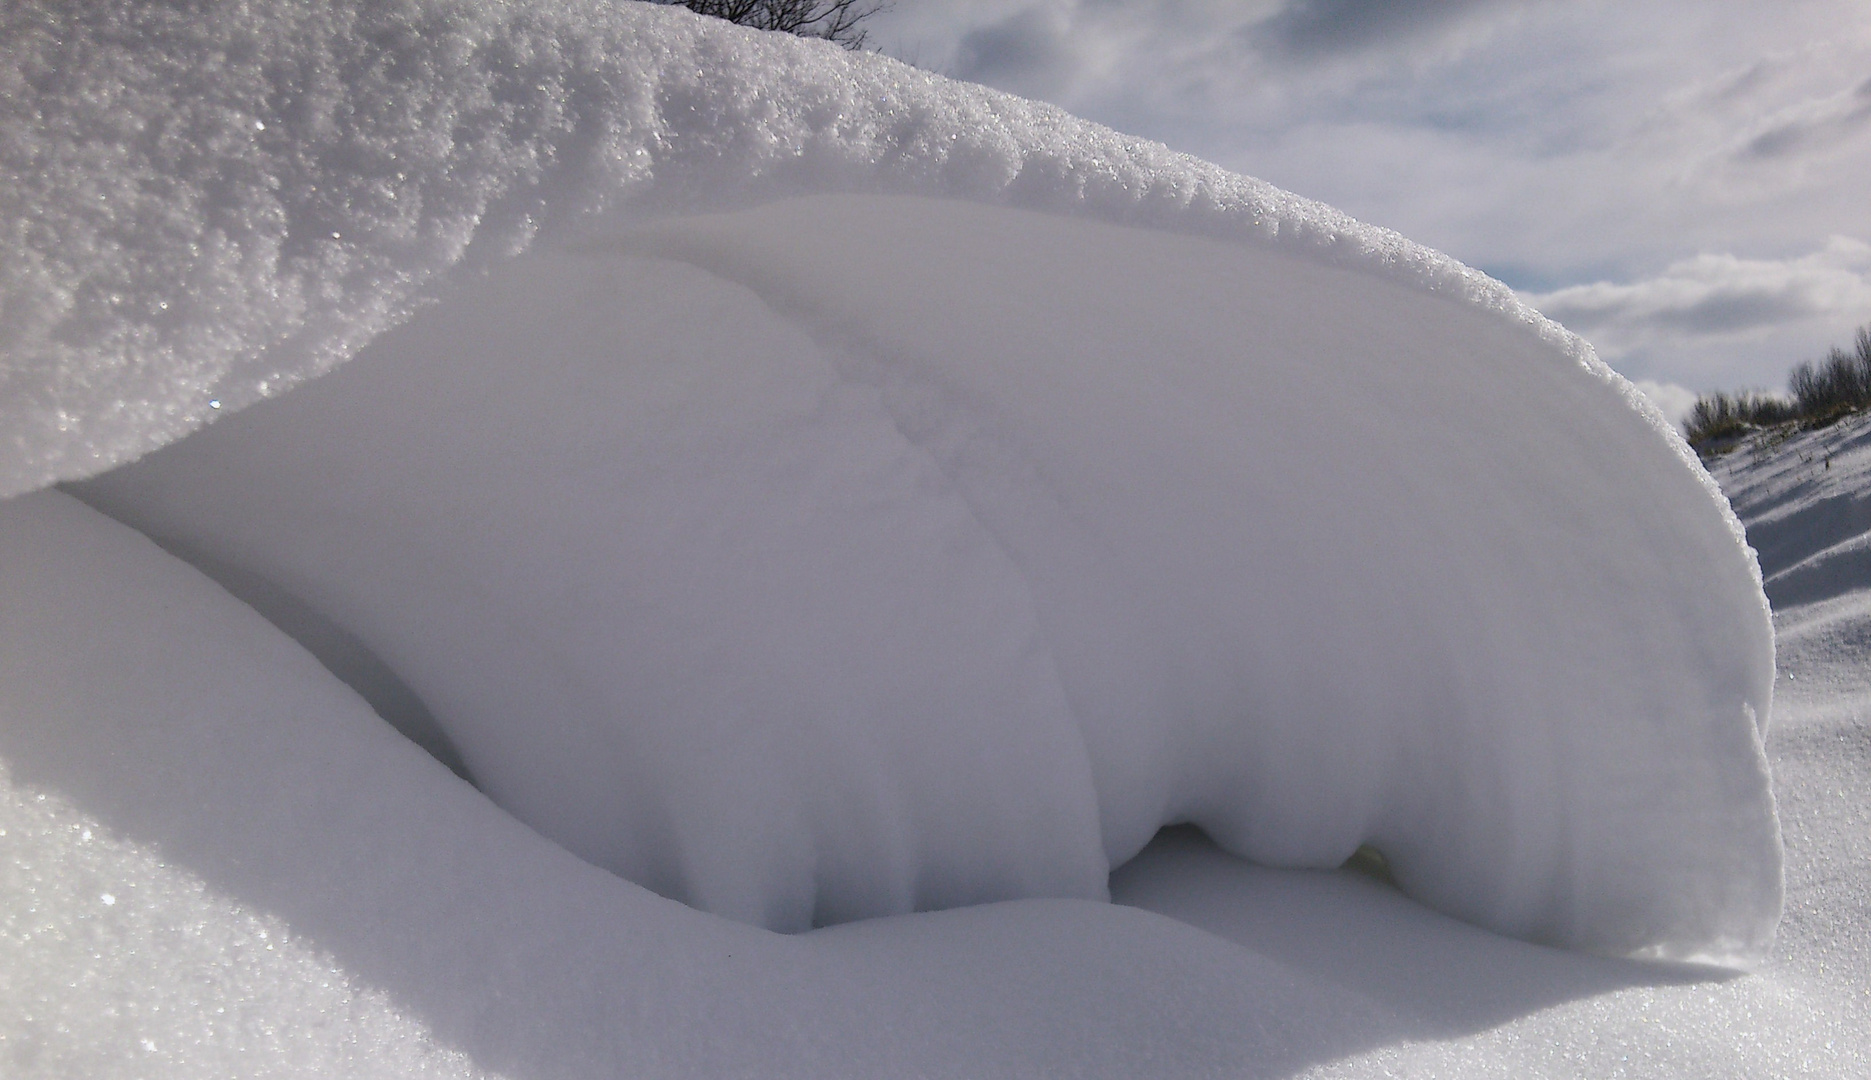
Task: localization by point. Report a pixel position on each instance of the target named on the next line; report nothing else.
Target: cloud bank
(1684, 181)
(1721, 294)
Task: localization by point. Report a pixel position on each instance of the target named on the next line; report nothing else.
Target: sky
(1687, 183)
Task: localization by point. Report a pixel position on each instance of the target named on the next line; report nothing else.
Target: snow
(820, 603)
(832, 496)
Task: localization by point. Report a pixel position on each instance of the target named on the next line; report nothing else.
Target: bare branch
(832, 20)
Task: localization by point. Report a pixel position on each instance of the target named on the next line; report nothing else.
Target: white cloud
(1674, 400)
(1722, 294)
(1719, 321)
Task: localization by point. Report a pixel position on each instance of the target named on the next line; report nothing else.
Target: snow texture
(816, 491)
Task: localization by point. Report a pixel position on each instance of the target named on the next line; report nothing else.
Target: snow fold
(808, 548)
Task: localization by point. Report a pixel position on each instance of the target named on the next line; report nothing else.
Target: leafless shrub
(832, 20)
(1819, 394)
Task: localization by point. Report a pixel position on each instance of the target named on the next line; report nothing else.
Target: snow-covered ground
(836, 517)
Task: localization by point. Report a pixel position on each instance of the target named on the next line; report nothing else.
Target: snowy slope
(823, 493)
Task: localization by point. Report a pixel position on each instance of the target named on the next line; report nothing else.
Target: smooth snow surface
(819, 491)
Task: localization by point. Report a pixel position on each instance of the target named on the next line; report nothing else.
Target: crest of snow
(209, 202)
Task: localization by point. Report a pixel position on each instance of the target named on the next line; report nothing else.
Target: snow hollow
(810, 490)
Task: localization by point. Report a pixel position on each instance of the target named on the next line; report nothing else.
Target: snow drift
(797, 483)
(855, 555)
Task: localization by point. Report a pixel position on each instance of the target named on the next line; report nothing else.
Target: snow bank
(854, 554)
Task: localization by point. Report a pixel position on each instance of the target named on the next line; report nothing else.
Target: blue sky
(1688, 184)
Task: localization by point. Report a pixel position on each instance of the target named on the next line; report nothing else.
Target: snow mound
(858, 555)
(854, 554)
